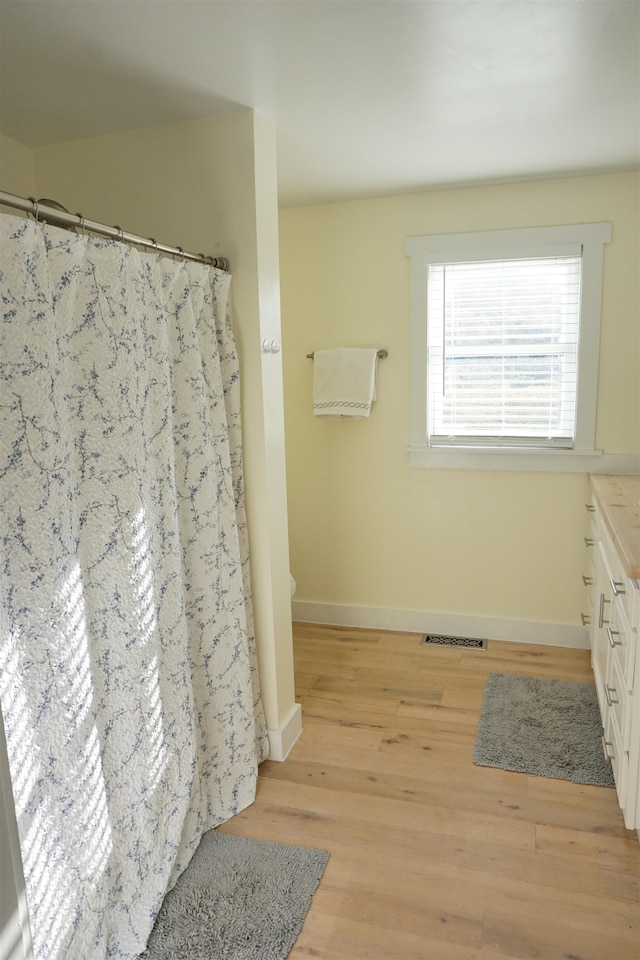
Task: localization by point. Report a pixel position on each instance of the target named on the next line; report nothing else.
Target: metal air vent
(439, 640)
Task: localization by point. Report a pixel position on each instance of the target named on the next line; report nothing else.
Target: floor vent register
(440, 640)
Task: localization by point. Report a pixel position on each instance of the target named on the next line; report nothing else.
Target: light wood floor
(433, 858)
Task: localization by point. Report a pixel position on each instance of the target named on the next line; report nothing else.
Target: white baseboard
(282, 738)
(453, 624)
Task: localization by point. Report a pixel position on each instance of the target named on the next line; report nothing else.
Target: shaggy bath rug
(239, 899)
(549, 728)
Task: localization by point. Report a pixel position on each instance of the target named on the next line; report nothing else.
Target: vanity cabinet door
(601, 622)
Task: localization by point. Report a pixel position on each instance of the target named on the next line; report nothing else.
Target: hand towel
(344, 382)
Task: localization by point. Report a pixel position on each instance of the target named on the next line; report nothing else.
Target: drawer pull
(601, 620)
(618, 587)
(590, 508)
(586, 619)
(589, 542)
(588, 581)
(607, 692)
(611, 634)
(605, 745)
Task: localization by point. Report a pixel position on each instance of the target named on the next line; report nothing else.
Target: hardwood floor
(433, 858)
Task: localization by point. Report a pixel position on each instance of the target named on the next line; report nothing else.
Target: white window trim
(496, 244)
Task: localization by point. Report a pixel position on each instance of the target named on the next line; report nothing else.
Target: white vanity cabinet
(613, 619)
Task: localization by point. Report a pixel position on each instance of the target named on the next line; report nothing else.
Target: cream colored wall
(210, 186)
(17, 174)
(365, 528)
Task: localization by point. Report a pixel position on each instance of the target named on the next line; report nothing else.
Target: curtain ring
(120, 232)
(180, 251)
(155, 243)
(35, 212)
(81, 224)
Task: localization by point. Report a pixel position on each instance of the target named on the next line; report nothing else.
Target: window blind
(502, 351)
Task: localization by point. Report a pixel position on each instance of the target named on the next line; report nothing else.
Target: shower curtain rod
(52, 212)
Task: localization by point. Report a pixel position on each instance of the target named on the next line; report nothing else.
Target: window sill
(548, 461)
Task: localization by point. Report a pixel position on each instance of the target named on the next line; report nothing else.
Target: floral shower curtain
(128, 677)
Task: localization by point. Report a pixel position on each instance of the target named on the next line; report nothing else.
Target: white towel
(344, 382)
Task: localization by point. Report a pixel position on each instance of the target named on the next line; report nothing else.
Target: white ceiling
(368, 98)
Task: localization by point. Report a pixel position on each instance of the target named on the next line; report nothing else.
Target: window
(502, 351)
(505, 335)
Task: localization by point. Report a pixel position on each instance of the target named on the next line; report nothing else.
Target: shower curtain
(128, 677)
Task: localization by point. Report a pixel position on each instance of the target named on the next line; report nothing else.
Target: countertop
(618, 498)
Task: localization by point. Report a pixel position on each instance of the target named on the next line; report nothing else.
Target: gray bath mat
(239, 899)
(548, 728)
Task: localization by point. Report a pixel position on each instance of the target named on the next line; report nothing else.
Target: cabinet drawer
(589, 568)
(623, 589)
(617, 757)
(617, 703)
(622, 642)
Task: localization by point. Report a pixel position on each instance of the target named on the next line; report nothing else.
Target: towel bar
(382, 354)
